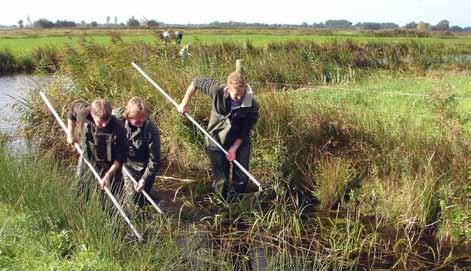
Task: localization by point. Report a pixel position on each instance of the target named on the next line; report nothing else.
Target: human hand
(139, 186)
(105, 181)
(231, 153)
(182, 108)
(71, 138)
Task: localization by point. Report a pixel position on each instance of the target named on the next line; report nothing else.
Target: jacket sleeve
(153, 164)
(120, 148)
(73, 110)
(208, 85)
(249, 122)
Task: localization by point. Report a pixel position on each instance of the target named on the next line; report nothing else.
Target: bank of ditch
(393, 168)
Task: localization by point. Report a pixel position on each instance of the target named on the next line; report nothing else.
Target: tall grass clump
(7, 62)
(42, 227)
(42, 59)
(46, 59)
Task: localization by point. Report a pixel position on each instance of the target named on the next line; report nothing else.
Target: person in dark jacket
(104, 145)
(143, 161)
(234, 113)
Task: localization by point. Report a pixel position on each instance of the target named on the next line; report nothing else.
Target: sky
(458, 12)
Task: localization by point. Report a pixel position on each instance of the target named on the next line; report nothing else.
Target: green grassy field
(22, 42)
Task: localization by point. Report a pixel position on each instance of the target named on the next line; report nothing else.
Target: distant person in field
(184, 51)
(168, 35)
(143, 161)
(233, 115)
(178, 37)
(165, 36)
(104, 145)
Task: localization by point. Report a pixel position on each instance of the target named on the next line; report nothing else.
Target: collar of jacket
(248, 97)
(130, 134)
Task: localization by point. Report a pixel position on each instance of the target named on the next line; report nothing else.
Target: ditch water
(12, 88)
(465, 58)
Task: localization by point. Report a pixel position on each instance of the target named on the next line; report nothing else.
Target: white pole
(97, 176)
(252, 178)
(149, 198)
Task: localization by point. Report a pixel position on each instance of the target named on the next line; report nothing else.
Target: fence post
(240, 66)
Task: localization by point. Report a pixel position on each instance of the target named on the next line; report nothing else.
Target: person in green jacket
(104, 145)
(234, 113)
(143, 160)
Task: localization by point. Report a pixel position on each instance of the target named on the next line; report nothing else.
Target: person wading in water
(234, 113)
(143, 161)
(104, 145)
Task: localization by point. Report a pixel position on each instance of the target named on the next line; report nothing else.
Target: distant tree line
(443, 25)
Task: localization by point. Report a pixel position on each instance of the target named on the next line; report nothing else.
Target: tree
(20, 23)
(43, 23)
(443, 25)
(368, 26)
(132, 22)
(152, 23)
(338, 24)
(94, 24)
(411, 25)
(456, 28)
(65, 23)
(421, 26)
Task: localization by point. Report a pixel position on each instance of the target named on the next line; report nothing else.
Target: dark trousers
(87, 183)
(130, 195)
(221, 170)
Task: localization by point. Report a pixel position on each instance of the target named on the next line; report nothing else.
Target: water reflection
(13, 88)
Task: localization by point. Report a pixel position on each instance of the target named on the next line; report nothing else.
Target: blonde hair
(101, 109)
(236, 80)
(135, 106)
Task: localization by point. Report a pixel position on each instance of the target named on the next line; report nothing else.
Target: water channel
(12, 89)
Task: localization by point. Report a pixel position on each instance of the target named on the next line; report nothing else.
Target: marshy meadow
(363, 148)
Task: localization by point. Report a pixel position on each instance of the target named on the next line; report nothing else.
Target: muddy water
(12, 89)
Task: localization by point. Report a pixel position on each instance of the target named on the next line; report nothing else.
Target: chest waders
(97, 148)
(99, 144)
(129, 134)
(92, 169)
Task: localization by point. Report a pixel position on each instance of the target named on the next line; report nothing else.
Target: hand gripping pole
(251, 177)
(95, 173)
